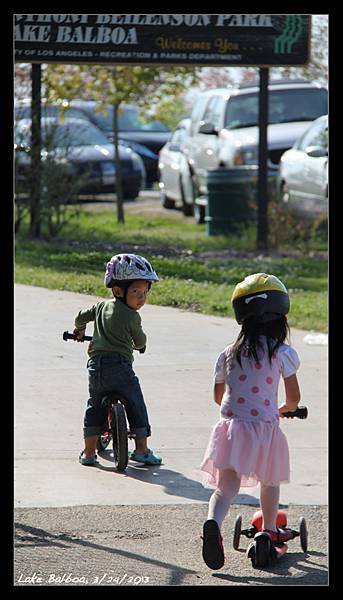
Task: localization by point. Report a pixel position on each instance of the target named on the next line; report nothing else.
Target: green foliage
(197, 272)
(147, 87)
(288, 229)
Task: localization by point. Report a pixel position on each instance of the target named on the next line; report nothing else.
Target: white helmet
(128, 267)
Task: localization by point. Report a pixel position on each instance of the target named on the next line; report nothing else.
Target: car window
(316, 135)
(178, 136)
(128, 120)
(63, 134)
(284, 106)
(242, 111)
(78, 135)
(213, 112)
(198, 113)
(24, 112)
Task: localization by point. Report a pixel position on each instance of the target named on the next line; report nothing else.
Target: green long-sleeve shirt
(117, 328)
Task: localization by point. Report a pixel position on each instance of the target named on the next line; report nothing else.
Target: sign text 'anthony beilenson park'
(263, 40)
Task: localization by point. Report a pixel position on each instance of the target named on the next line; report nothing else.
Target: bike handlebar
(88, 338)
(71, 336)
(300, 413)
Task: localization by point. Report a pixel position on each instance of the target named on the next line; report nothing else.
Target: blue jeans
(112, 372)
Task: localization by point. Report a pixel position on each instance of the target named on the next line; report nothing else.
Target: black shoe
(212, 549)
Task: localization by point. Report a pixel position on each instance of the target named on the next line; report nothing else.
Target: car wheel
(199, 214)
(187, 208)
(167, 202)
(131, 194)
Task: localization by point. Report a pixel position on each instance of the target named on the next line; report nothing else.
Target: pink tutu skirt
(257, 451)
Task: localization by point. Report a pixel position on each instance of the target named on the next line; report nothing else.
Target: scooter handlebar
(300, 413)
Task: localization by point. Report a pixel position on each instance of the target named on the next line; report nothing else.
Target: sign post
(35, 196)
(262, 182)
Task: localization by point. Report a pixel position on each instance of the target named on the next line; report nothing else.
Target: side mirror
(207, 128)
(316, 151)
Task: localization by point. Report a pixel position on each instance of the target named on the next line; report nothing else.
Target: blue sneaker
(147, 459)
(87, 460)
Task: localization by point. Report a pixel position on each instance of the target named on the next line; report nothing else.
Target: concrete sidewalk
(176, 378)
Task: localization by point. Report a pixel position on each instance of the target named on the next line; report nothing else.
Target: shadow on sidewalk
(173, 482)
(284, 569)
(37, 537)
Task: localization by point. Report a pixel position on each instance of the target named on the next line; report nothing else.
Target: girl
(247, 445)
(117, 331)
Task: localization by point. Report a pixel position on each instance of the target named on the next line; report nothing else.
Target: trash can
(231, 199)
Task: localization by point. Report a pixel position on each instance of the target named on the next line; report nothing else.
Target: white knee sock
(269, 496)
(219, 504)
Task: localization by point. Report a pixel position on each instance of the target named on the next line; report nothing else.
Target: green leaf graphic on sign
(293, 27)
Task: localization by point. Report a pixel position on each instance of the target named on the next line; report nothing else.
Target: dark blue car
(145, 138)
(87, 153)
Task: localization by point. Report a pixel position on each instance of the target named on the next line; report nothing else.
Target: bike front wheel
(119, 437)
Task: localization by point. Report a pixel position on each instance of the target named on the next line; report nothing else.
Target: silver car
(174, 175)
(303, 175)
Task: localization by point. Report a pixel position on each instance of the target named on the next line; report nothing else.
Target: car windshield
(63, 134)
(128, 120)
(284, 106)
(49, 110)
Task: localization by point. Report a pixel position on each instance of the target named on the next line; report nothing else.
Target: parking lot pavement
(154, 545)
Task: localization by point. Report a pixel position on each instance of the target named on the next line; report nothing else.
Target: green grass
(157, 231)
(197, 272)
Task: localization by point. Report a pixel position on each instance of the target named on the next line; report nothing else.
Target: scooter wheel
(303, 534)
(263, 550)
(237, 532)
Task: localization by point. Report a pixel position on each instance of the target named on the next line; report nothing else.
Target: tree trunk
(119, 186)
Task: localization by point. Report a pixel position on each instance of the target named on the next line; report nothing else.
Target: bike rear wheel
(119, 437)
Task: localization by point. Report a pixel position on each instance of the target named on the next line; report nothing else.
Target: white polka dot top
(251, 391)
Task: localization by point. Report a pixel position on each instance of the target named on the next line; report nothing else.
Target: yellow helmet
(260, 295)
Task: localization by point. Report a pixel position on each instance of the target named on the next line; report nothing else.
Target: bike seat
(111, 397)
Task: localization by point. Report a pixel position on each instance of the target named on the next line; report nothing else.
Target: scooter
(263, 551)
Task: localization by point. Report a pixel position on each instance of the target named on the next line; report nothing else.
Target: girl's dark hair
(276, 331)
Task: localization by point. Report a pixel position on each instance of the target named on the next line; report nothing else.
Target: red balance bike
(265, 549)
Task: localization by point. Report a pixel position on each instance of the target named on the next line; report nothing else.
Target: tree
(147, 87)
(317, 68)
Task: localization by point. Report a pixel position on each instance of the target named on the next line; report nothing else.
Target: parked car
(303, 176)
(174, 176)
(86, 151)
(55, 110)
(145, 138)
(224, 128)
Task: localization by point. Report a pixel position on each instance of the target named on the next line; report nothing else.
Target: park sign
(221, 40)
